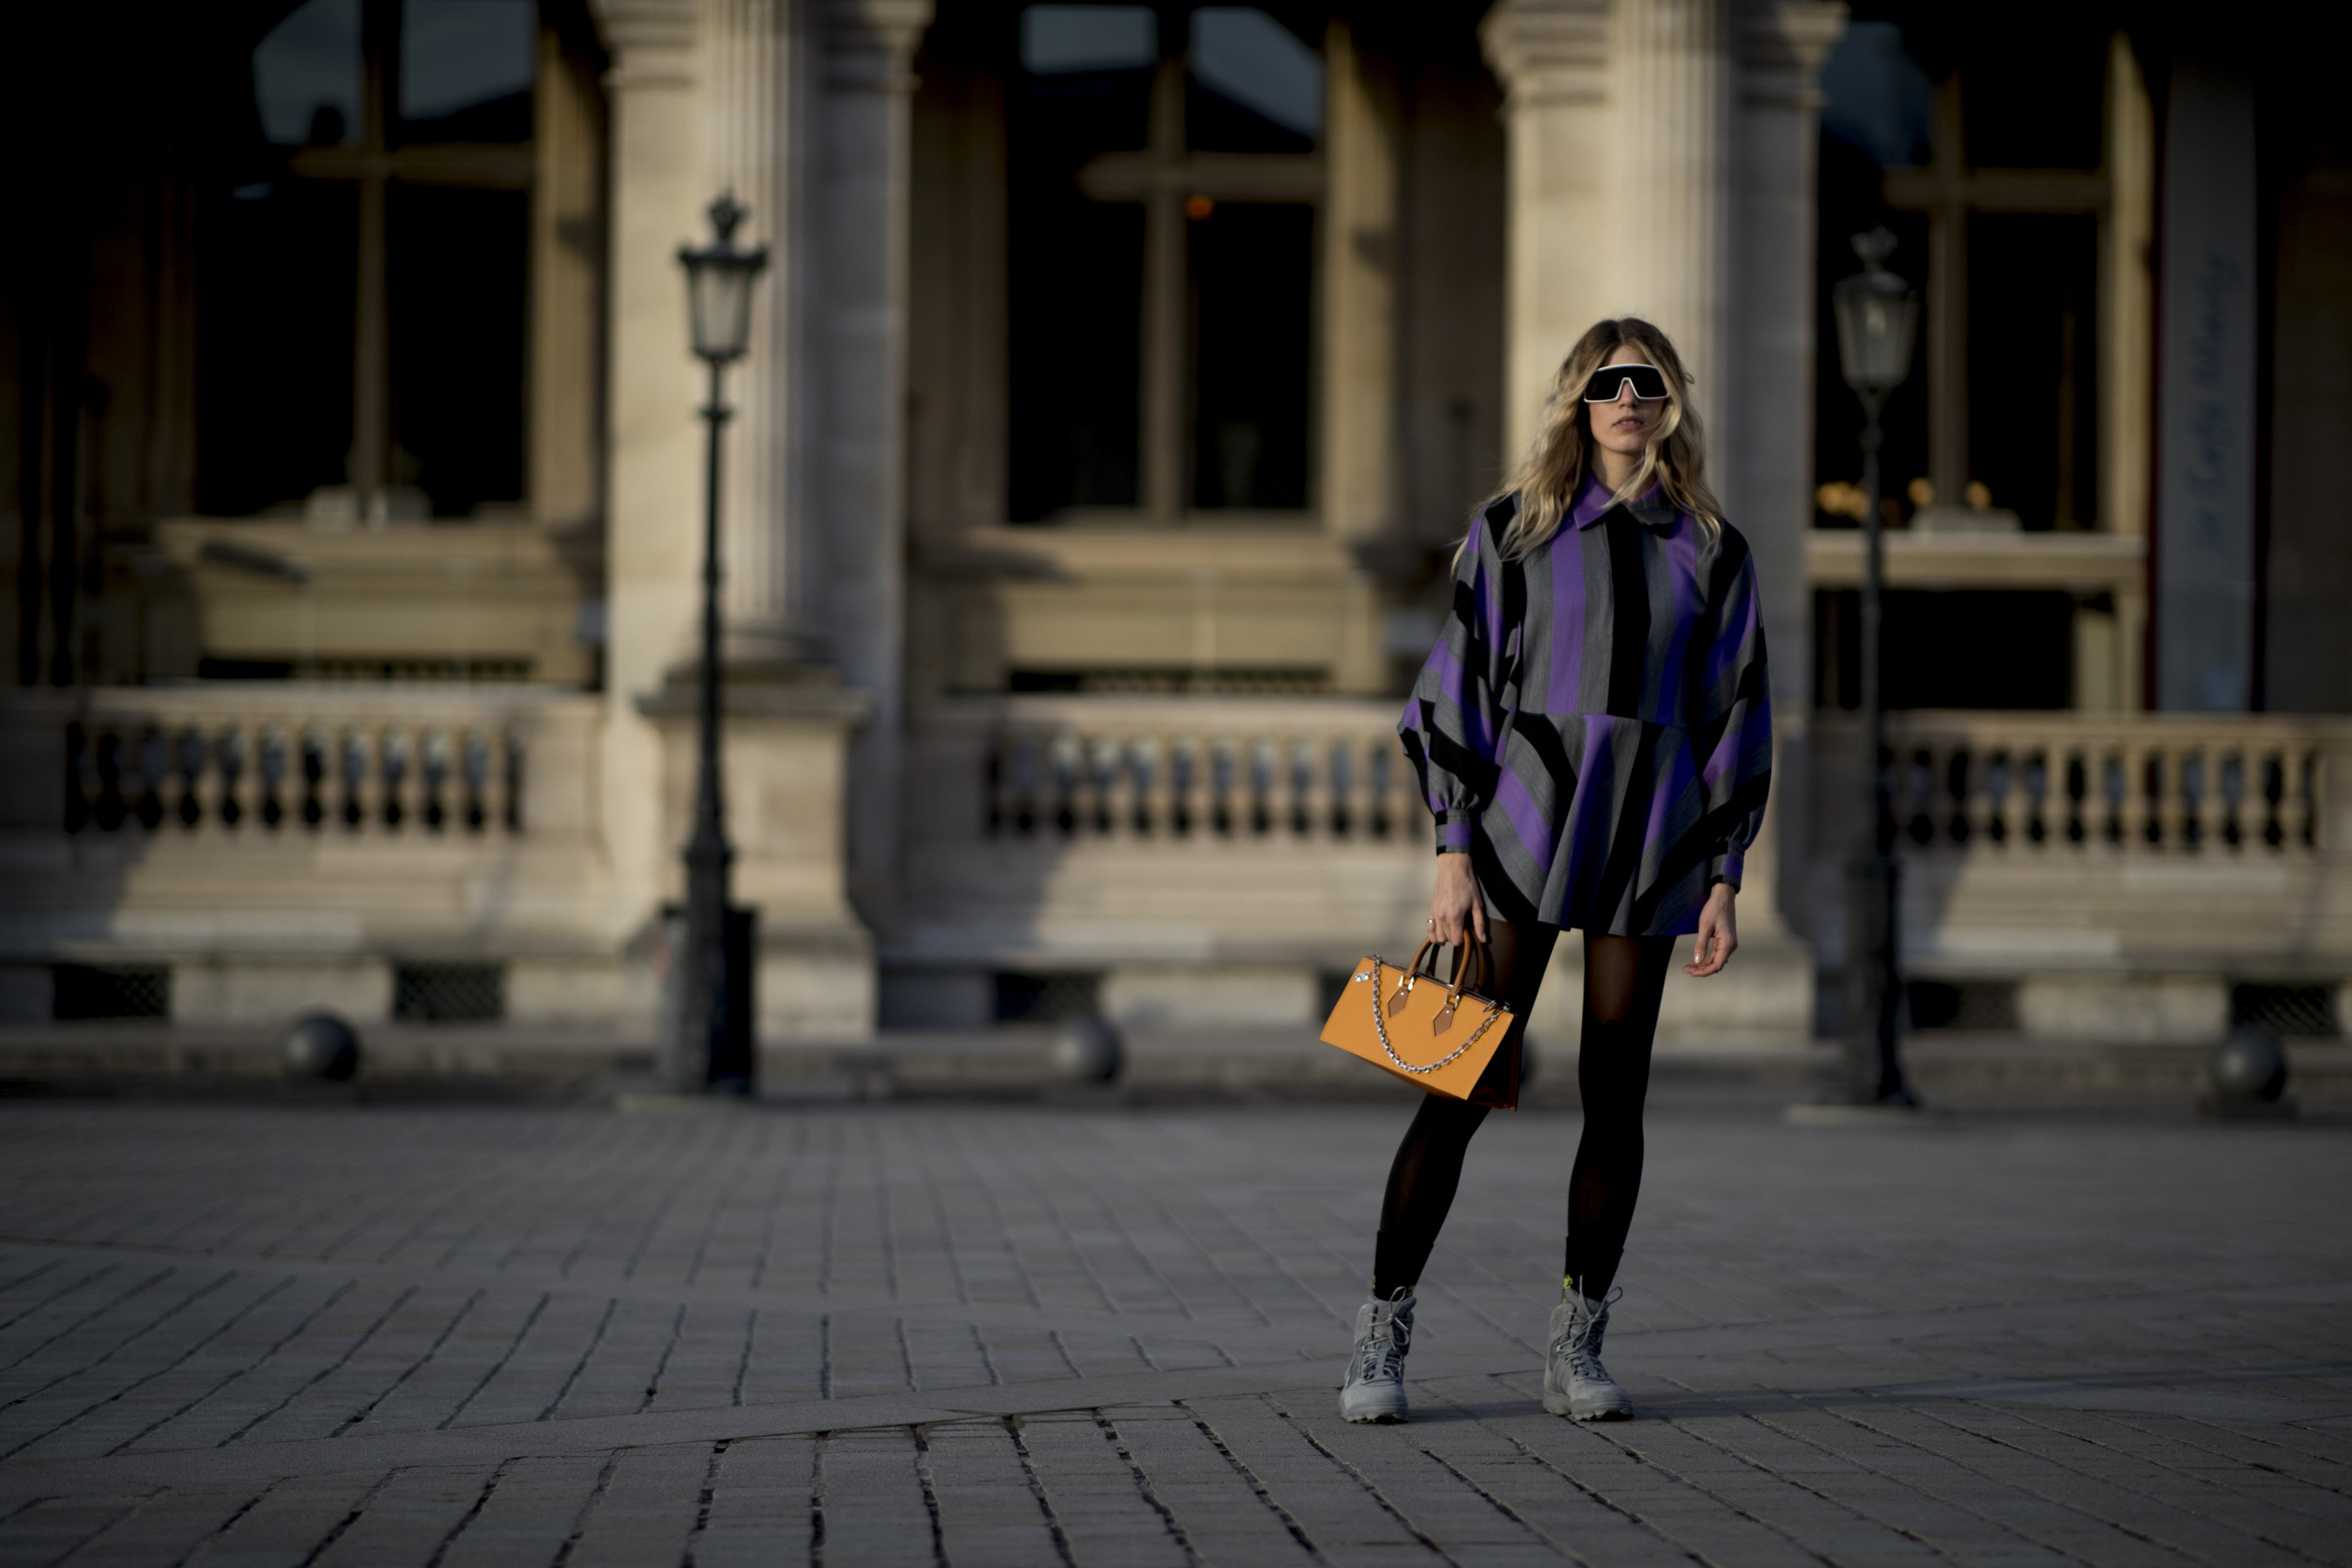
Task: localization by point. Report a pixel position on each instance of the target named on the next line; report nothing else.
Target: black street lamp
(1877, 318)
(714, 991)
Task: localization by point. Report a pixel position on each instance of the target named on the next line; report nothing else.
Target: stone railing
(219, 761)
(1174, 769)
(2144, 784)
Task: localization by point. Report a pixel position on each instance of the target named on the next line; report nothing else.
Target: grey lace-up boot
(1375, 1387)
(1575, 1383)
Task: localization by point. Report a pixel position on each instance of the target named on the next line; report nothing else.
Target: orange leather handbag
(1435, 1034)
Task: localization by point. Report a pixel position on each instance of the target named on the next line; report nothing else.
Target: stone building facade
(1121, 381)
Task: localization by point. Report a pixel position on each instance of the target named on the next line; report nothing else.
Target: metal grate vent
(449, 992)
(1977, 1005)
(2285, 1009)
(85, 991)
(1047, 998)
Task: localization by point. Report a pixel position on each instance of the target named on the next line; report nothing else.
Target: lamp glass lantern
(1877, 320)
(718, 279)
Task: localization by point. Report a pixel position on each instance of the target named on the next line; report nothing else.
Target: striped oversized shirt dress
(1594, 726)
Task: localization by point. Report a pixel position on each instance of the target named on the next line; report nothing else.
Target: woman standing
(1594, 734)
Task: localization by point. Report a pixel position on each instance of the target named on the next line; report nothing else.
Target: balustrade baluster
(189, 754)
(2022, 808)
(1997, 786)
(2211, 814)
(1102, 756)
(1149, 768)
(1310, 800)
(515, 759)
(1188, 788)
(2230, 791)
(2273, 811)
(2218, 813)
(1225, 807)
(474, 776)
(2126, 812)
(269, 766)
(2304, 832)
(1340, 774)
(314, 769)
(152, 753)
(355, 761)
(433, 779)
(1964, 773)
(1069, 781)
(396, 765)
(233, 757)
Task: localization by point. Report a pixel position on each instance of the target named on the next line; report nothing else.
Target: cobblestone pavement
(901, 1334)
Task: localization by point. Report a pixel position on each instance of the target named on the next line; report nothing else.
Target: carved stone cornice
(651, 42)
(1781, 45)
(869, 43)
(1548, 51)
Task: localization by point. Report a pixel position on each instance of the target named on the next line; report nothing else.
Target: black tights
(1624, 979)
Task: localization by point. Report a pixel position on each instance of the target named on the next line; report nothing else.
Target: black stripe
(1709, 837)
(1629, 594)
(1515, 617)
(1633, 821)
(1486, 863)
(1449, 755)
(1476, 653)
(1542, 736)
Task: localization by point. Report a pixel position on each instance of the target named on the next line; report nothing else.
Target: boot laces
(1581, 1343)
(1384, 1348)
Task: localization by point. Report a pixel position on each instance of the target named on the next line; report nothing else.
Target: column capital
(1781, 45)
(1548, 51)
(651, 42)
(868, 44)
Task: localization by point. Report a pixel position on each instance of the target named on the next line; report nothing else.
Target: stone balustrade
(215, 762)
(1177, 770)
(2175, 784)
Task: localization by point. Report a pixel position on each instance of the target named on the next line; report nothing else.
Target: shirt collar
(1651, 508)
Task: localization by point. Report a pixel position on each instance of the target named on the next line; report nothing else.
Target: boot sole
(1558, 1405)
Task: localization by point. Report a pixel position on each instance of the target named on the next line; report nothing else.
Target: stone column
(1551, 56)
(857, 370)
(1668, 240)
(653, 474)
(1763, 461)
(755, 62)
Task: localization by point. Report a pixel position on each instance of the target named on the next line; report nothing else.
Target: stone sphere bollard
(322, 1045)
(1087, 1050)
(2251, 1065)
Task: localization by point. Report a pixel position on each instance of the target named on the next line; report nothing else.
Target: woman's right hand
(1456, 904)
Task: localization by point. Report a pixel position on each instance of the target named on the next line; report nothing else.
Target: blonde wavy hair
(1546, 480)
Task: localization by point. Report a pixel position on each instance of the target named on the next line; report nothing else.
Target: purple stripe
(1590, 502)
(1453, 834)
(1734, 865)
(1527, 818)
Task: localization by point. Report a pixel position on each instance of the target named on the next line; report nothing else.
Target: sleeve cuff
(1453, 831)
(1725, 868)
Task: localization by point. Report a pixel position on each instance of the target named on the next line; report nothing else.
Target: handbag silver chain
(1381, 1027)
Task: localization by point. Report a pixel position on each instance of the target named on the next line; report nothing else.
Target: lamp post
(1877, 318)
(718, 280)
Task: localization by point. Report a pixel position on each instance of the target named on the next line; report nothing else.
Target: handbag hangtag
(1396, 1003)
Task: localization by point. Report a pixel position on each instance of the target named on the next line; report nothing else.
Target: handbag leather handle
(1472, 964)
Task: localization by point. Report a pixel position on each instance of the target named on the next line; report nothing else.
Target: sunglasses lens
(1649, 383)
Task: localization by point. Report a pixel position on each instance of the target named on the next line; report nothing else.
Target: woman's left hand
(1718, 933)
